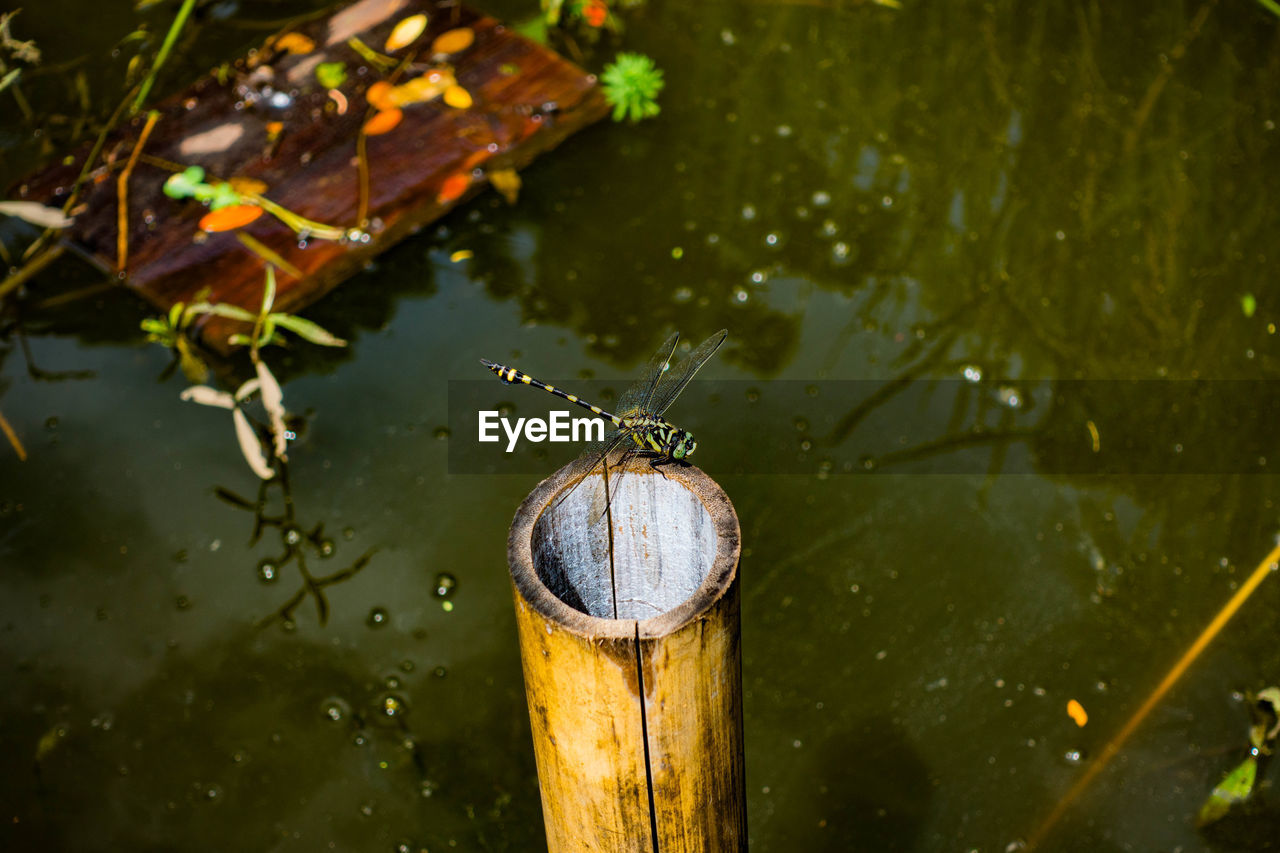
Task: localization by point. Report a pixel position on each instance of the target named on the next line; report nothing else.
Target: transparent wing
(678, 377)
(640, 395)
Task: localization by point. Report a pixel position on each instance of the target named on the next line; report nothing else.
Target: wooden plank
(526, 99)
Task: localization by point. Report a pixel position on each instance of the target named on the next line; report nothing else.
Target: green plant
(631, 85)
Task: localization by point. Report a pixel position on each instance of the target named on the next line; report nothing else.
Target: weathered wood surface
(526, 100)
(632, 664)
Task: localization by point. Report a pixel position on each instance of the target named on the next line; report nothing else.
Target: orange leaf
(379, 96)
(457, 97)
(383, 122)
(229, 218)
(453, 187)
(453, 41)
(405, 32)
(295, 43)
(1076, 712)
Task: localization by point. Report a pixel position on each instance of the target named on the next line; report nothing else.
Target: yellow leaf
(457, 97)
(295, 43)
(405, 32)
(507, 182)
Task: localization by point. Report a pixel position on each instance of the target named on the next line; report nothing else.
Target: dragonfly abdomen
(511, 376)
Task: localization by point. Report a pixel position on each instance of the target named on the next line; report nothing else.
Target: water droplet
(800, 424)
(392, 682)
(290, 535)
(406, 665)
(391, 705)
(783, 130)
(280, 100)
(440, 672)
(821, 199)
(973, 373)
(348, 533)
(748, 212)
(326, 547)
(427, 788)
(829, 228)
(682, 294)
(773, 240)
(1009, 397)
(887, 201)
(377, 617)
(446, 585)
(441, 433)
(335, 709)
(1074, 756)
(268, 571)
(182, 602)
(753, 395)
(366, 809)
(741, 295)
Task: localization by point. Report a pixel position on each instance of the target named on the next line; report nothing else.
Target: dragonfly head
(682, 444)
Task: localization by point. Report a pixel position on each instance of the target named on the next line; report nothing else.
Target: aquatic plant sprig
(217, 195)
(631, 84)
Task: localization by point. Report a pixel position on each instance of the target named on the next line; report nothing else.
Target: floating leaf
(206, 396)
(1234, 788)
(36, 214)
(453, 187)
(461, 255)
(247, 389)
(331, 75)
(457, 97)
(250, 446)
(295, 43)
(405, 32)
(379, 95)
(308, 330)
(454, 41)
(506, 182)
(229, 218)
(425, 88)
(1248, 304)
(383, 122)
(273, 402)
(184, 184)
(1077, 713)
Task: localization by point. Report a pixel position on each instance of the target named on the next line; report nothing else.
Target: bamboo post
(628, 629)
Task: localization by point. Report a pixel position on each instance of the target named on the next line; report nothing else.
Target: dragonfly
(639, 427)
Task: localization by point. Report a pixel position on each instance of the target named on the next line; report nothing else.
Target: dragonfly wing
(675, 380)
(640, 395)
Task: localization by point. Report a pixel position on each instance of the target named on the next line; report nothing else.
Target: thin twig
(32, 267)
(1113, 747)
(13, 438)
(122, 194)
(179, 21)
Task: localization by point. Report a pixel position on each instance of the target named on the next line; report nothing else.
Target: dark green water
(1054, 196)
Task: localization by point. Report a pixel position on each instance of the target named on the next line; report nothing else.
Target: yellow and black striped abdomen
(511, 376)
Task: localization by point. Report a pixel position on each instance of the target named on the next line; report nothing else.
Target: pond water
(995, 413)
